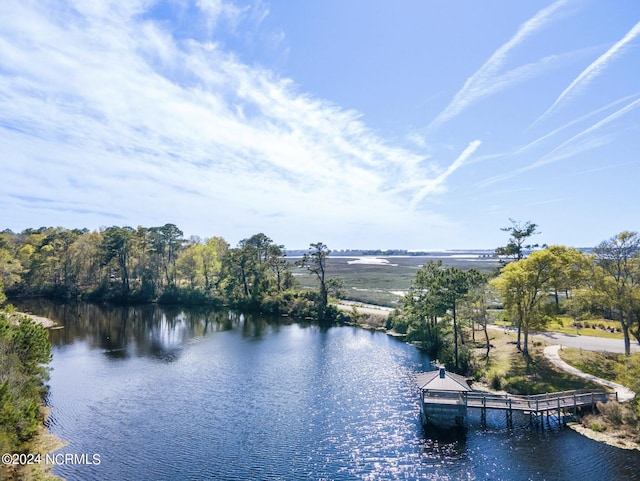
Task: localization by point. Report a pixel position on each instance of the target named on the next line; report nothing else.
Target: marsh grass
(383, 284)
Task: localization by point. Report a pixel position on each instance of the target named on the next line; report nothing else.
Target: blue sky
(418, 124)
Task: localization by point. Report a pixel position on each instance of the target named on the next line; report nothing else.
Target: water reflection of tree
(147, 330)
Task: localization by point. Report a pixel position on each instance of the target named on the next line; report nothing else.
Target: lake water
(163, 394)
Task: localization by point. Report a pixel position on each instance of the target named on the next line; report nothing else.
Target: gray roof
(451, 382)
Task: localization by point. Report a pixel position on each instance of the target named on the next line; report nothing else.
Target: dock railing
(537, 402)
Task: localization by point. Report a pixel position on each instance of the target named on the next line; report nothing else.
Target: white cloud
(583, 141)
(105, 111)
(487, 80)
(554, 132)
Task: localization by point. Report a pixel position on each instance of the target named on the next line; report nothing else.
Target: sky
(373, 124)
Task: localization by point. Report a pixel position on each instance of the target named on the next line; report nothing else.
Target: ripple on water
(281, 402)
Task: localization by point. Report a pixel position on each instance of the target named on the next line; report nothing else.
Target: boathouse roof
(441, 380)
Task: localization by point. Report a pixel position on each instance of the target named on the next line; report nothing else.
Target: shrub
(612, 412)
(400, 323)
(594, 423)
(496, 380)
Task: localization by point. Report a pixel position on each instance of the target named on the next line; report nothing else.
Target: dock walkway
(557, 404)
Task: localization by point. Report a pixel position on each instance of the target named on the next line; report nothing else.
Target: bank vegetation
(24, 352)
(120, 264)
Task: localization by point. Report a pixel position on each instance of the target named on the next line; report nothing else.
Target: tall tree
(476, 306)
(315, 261)
(422, 308)
(523, 286)
(116, 244)
(570, 270)
(517, 245)
(435, 292)
(451, 287)
(167, 241)
(619, 287)
(10, 266)
(248, 269)
(212, 252)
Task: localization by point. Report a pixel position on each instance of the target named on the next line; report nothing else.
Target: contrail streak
(594, 69)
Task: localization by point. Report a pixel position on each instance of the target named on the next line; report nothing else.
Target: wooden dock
(557, 404)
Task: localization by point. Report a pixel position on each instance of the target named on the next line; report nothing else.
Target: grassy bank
(617, 424)
(506, 369)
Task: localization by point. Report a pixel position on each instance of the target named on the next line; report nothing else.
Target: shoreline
(41, 320)
(44, 442)
(47, 440)
(608, 438)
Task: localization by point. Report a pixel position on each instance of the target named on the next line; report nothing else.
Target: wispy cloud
(433, 185)
(575, 121)
(598, 125)
(570, 147)
(135, 111)
(594, 69)
(487, 80)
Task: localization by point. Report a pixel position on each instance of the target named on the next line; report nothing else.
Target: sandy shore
(43, 321)
(612, 439)
(363, 308)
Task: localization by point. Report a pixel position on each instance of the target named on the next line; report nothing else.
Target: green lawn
(508, 369)
(591, 362)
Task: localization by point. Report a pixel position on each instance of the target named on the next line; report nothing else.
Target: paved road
(363, 308)
(588, 343)
(555, 341)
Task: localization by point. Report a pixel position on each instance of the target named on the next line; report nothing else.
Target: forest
(158, 264)
(24, 351)
(533, 286)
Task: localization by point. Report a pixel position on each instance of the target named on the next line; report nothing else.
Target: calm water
(194, 395)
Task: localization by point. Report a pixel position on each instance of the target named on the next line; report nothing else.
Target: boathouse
(443, 398)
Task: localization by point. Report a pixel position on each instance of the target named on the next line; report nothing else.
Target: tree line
(147, 264)
(534, 285)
